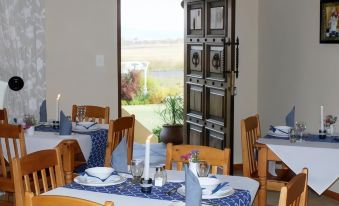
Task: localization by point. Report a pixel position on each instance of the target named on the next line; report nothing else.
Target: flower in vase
(330, 119)
(192, 156)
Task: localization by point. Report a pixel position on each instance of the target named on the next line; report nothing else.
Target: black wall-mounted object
(16, 83)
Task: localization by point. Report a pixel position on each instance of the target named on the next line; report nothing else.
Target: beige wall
(76, 31)
(247, 84)
(294, 69)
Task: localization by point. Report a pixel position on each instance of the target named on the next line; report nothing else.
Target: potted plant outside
(173, 117)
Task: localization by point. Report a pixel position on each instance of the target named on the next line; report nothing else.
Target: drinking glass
(203, 168)
(137, 168)
(293, 135)
(81, 112)
(300, 128)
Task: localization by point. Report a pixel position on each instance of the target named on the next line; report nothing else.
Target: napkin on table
(193, 191)
(43, 112)
(119, 157)
(290, 119)
(65, 127)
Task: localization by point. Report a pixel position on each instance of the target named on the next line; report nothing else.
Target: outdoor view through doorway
(152, 60)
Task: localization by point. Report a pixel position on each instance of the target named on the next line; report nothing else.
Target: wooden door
(210, 70)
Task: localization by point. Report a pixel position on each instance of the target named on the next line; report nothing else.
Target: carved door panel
(209, 72)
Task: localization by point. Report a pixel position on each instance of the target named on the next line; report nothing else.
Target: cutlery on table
(103, 180)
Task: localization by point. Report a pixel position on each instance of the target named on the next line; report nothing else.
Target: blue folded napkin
(43, 112)
(119, 157)
(290, 119)
(193, 191)
(65, 127)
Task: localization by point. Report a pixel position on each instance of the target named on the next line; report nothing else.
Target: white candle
(57, 116)
(147, 157)
(322, 118)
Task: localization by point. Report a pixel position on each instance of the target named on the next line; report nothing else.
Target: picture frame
(329, 21)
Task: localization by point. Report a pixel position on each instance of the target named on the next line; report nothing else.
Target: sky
(152, 19)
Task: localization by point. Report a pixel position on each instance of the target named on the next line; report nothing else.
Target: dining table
(316, 152)
(79, 145)
(128, 193)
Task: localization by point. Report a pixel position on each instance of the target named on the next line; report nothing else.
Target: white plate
(79, 129)
(277, 135)
(95, 182)
(224, 192)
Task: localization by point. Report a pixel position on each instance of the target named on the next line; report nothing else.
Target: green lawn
(146, 114)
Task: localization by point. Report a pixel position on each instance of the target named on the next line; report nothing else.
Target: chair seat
(276, 182)
(6, 184)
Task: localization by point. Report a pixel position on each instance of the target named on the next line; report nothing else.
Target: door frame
(119, 54)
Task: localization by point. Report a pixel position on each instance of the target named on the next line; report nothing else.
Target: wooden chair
(37, 172)
(295, 193)
(250, 133)
(93, 113)
(53, 200)
(214, 157)
(3, 116)
(122, 127)
(12, 144)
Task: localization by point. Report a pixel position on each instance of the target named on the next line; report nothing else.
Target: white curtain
(22, 53)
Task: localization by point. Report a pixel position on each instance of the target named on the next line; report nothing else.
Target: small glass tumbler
(81, 113)
(203, 168)
(137, 168)
(293, 136)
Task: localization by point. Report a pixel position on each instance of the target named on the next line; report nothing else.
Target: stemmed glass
(203, 168)
(300, 128)
(81, 112)
(137, 168)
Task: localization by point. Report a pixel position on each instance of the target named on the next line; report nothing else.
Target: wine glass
(137, 168)
(81, 112)
(203, 168)
(300, 127)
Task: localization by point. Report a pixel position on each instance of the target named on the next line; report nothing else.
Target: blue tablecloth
(99, 140)
(310, 138)
(239, 198)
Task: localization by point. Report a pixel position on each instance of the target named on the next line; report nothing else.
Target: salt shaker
(159, 179)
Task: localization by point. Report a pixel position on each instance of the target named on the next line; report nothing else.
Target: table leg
(262, 173)
(68, 159)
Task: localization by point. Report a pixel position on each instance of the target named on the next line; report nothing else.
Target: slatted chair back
(37, 172)
(119, 128)
(12, 144)
(93, 113)
(250, 132)
(3, 116)
(295, 193)
(53, 200)
(214, 157)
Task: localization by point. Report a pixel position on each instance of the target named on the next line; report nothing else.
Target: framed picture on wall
(329, 21)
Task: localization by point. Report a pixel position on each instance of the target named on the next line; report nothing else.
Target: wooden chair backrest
(215, 157)
(3, 116)
(295, 193)
(12, 144)
(250, 132)
(43, 170)
(53, 200)
(119, 128)
(93, 113)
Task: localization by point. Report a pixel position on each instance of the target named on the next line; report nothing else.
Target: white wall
(246, 102)
(294, 69)
(76, 31)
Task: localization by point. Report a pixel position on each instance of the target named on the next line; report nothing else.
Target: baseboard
(237, 167)
(331, 194)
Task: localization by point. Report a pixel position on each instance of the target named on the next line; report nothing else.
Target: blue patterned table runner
(239, 198)
(310, 138)
(98, 139)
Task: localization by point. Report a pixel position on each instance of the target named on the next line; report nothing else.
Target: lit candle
(147, 157)
(322, 118)
(57, 116)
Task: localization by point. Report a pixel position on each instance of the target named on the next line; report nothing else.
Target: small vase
(30, 131)
(332, 129)
(193, 168)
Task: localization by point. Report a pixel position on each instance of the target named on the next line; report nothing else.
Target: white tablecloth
(120, 200)
(48, 140)
(320, 158)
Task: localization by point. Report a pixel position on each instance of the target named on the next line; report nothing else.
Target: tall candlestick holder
(322, 134)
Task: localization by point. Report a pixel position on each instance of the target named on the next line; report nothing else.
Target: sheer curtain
(22, 53)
